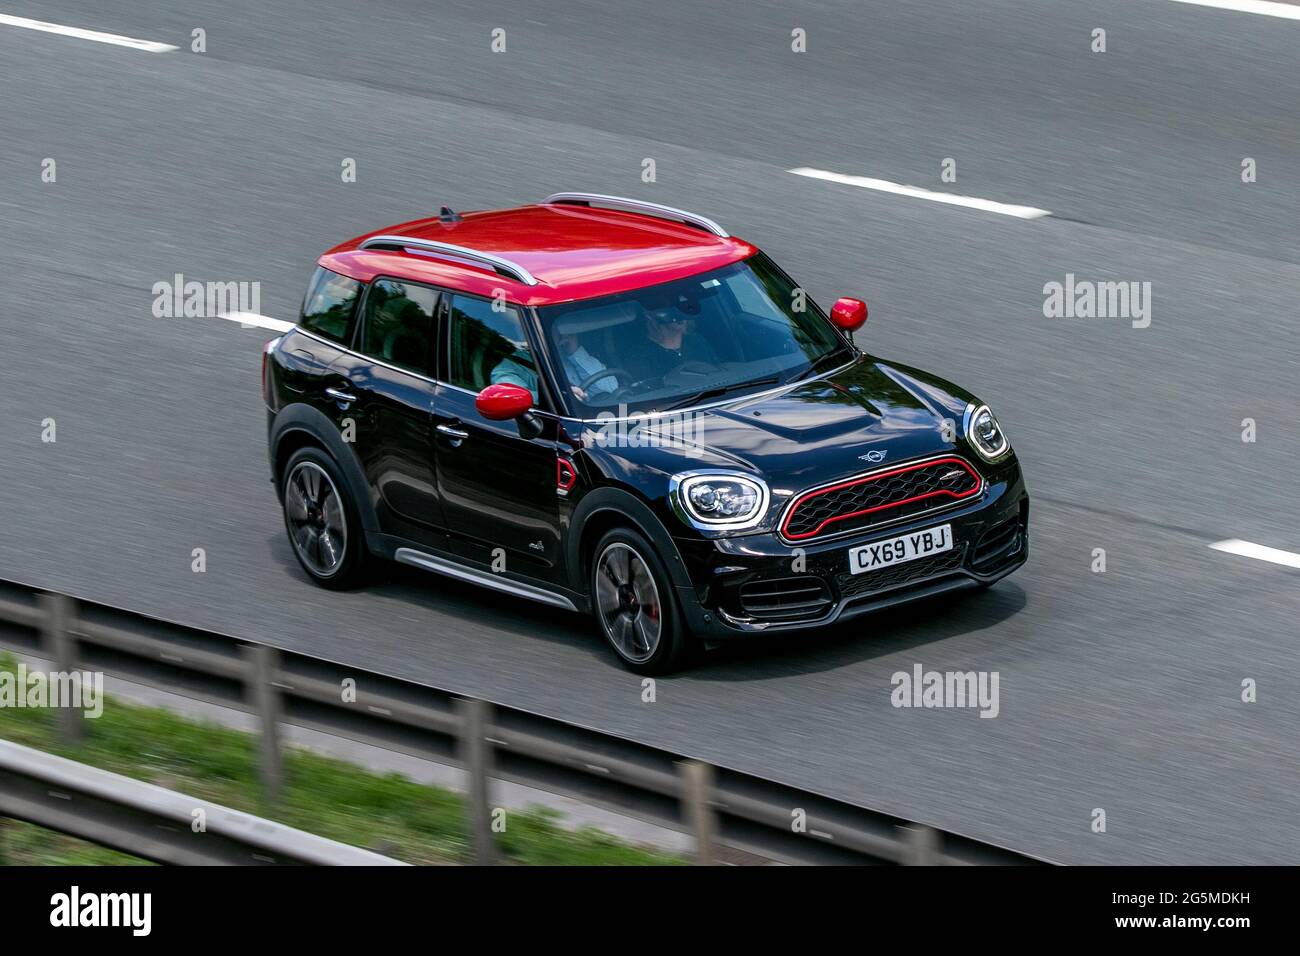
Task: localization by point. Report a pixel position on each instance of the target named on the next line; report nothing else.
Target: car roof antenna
(447, 214)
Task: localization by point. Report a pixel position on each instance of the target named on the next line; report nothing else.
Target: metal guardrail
(734, 817)
(148, 821)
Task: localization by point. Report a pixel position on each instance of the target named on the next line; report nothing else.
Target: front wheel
(634, 603)
(322, 522)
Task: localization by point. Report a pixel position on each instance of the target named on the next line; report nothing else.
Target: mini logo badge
(875, 456)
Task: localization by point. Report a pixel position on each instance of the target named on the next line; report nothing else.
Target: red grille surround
(886, 492)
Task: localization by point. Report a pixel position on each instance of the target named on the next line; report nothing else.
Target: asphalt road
(1119, 690)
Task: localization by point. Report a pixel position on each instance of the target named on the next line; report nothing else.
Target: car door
(385, 392)
(497, 487)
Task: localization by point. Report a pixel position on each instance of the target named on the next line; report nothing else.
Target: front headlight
(985, 434)
(719, 501)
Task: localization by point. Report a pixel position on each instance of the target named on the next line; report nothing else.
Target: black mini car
(615, 407)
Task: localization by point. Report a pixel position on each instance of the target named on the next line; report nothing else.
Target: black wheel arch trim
(305, 418)
(632, 510)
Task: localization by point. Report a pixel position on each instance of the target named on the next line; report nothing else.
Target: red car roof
(574, 252)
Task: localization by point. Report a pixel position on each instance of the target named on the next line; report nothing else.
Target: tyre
(635, 604)
(322, 521)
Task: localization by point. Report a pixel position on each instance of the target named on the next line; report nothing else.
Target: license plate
(906, 547)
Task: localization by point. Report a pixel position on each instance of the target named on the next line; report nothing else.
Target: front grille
(852, 585)
(880, 497)
(786, 599)
(996, 545)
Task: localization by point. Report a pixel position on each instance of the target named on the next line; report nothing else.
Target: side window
(327, 310)
(489, 346)
(397, 326)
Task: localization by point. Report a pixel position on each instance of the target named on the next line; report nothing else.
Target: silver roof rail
(641, 206)
(496, 263)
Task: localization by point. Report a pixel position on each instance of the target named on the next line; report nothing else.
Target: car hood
(868, 414)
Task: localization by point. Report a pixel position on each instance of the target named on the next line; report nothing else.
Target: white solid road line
(251, 320)
(898, 189)
(1248, 550)
(148, 46)
(1265, 8)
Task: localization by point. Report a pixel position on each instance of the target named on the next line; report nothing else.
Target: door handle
(455, 434)
(339, 395)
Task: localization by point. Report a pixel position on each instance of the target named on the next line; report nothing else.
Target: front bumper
(760, 584)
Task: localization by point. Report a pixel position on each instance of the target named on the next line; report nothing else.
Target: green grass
(23, 844)
(385, 813)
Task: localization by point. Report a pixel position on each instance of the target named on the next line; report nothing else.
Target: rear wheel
(322, 522)
(635, 604)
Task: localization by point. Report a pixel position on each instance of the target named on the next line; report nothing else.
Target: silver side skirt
(495, 581)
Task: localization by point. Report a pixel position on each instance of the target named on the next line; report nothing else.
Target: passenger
(580, 365)
(518, 370)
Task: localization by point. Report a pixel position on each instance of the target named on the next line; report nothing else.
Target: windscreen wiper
(816, 366)
(722, 390)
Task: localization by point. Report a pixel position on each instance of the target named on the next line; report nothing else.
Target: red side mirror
(849, 314)
(503, 401)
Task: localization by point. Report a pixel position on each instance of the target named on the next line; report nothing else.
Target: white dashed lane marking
(1264, 8)
(1248, 549)
(146, 46)
(253, 320)
(915, 192)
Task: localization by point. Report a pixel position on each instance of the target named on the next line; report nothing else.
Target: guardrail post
(59, 613)
(476, 754)
(697, 807)
(263, 664)
(923, 847)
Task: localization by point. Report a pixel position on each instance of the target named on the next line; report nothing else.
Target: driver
(671, 339)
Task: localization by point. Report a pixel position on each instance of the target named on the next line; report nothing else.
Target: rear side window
(398, 324)
(327, 310)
